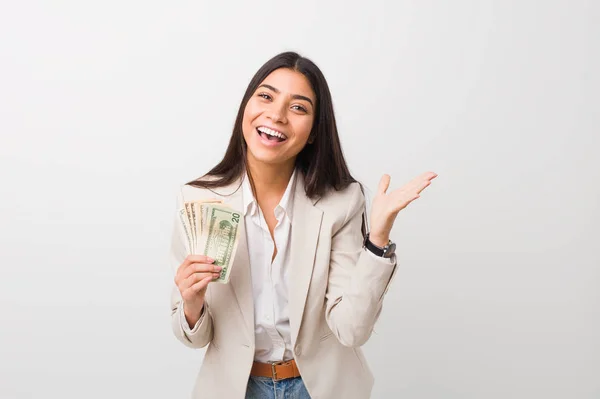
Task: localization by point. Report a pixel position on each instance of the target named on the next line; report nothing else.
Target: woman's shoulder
(351, 190)
(345, 201)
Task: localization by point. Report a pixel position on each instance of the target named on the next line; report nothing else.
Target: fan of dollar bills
(211, 228)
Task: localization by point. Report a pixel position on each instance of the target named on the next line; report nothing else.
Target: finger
(405, 195)
(199, 259)
(190, 262)
(401, 204)
(193, 258)
(200, 285)
(423, 186)
(200, 268)
(384, 183)
(195, 278)
(429, 175)
(190, 292)
(417, 183)
(206, 267)
(191, 280)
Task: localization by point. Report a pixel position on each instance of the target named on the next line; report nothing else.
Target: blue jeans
(266, 388)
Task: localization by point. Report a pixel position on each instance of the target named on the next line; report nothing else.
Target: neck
(270, 179)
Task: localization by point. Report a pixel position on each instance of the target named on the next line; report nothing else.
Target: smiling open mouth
(270, 134)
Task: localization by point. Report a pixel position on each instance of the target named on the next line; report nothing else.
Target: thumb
(384, 183)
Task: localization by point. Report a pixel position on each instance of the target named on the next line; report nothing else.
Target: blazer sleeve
(202, 333)
(358, 279)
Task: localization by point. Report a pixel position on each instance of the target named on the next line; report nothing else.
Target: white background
(106, 107)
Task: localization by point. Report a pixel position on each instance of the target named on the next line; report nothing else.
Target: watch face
(391, 249)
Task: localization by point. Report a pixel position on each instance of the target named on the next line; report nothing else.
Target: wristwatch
(385, 252)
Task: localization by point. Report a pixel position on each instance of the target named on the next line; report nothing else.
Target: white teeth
(271, 132)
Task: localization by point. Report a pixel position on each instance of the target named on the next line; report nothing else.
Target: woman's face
(278, 118)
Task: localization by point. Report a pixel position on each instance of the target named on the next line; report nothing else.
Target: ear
(311, 139)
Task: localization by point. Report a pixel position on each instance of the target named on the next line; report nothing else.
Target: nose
(277, 113)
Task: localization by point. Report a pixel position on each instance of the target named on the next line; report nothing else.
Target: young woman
(307, 281)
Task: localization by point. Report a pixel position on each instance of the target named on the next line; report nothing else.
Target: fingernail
(210, 260)
(218, 268)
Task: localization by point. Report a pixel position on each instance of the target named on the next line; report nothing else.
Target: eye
(299, 108)
(265, 96)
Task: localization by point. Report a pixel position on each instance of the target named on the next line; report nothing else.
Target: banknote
(191, 222)
(185, 225)
(221, 237)
(197, 216)
(211, 229)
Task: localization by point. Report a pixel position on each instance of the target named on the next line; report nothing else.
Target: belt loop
(274, 371)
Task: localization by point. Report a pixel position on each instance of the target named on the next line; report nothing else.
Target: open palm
(386, 206)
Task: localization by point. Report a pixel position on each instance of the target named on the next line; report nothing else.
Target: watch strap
(386, 252)
(374, 248)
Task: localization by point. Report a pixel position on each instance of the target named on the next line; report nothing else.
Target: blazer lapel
(240, 280)
(306, 226)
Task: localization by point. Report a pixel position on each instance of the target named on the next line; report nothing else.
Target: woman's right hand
(192, 278)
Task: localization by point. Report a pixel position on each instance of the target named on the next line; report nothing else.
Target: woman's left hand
(385, 207)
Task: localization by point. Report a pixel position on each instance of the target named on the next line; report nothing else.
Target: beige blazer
(336, 293)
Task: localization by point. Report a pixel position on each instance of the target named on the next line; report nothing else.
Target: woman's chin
(267, 157)
(268, 160)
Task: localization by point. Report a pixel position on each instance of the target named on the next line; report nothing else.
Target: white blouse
(270, 279)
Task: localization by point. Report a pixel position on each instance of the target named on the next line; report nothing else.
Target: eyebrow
(294, 96)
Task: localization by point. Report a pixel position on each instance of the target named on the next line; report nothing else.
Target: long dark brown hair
(321, 162)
